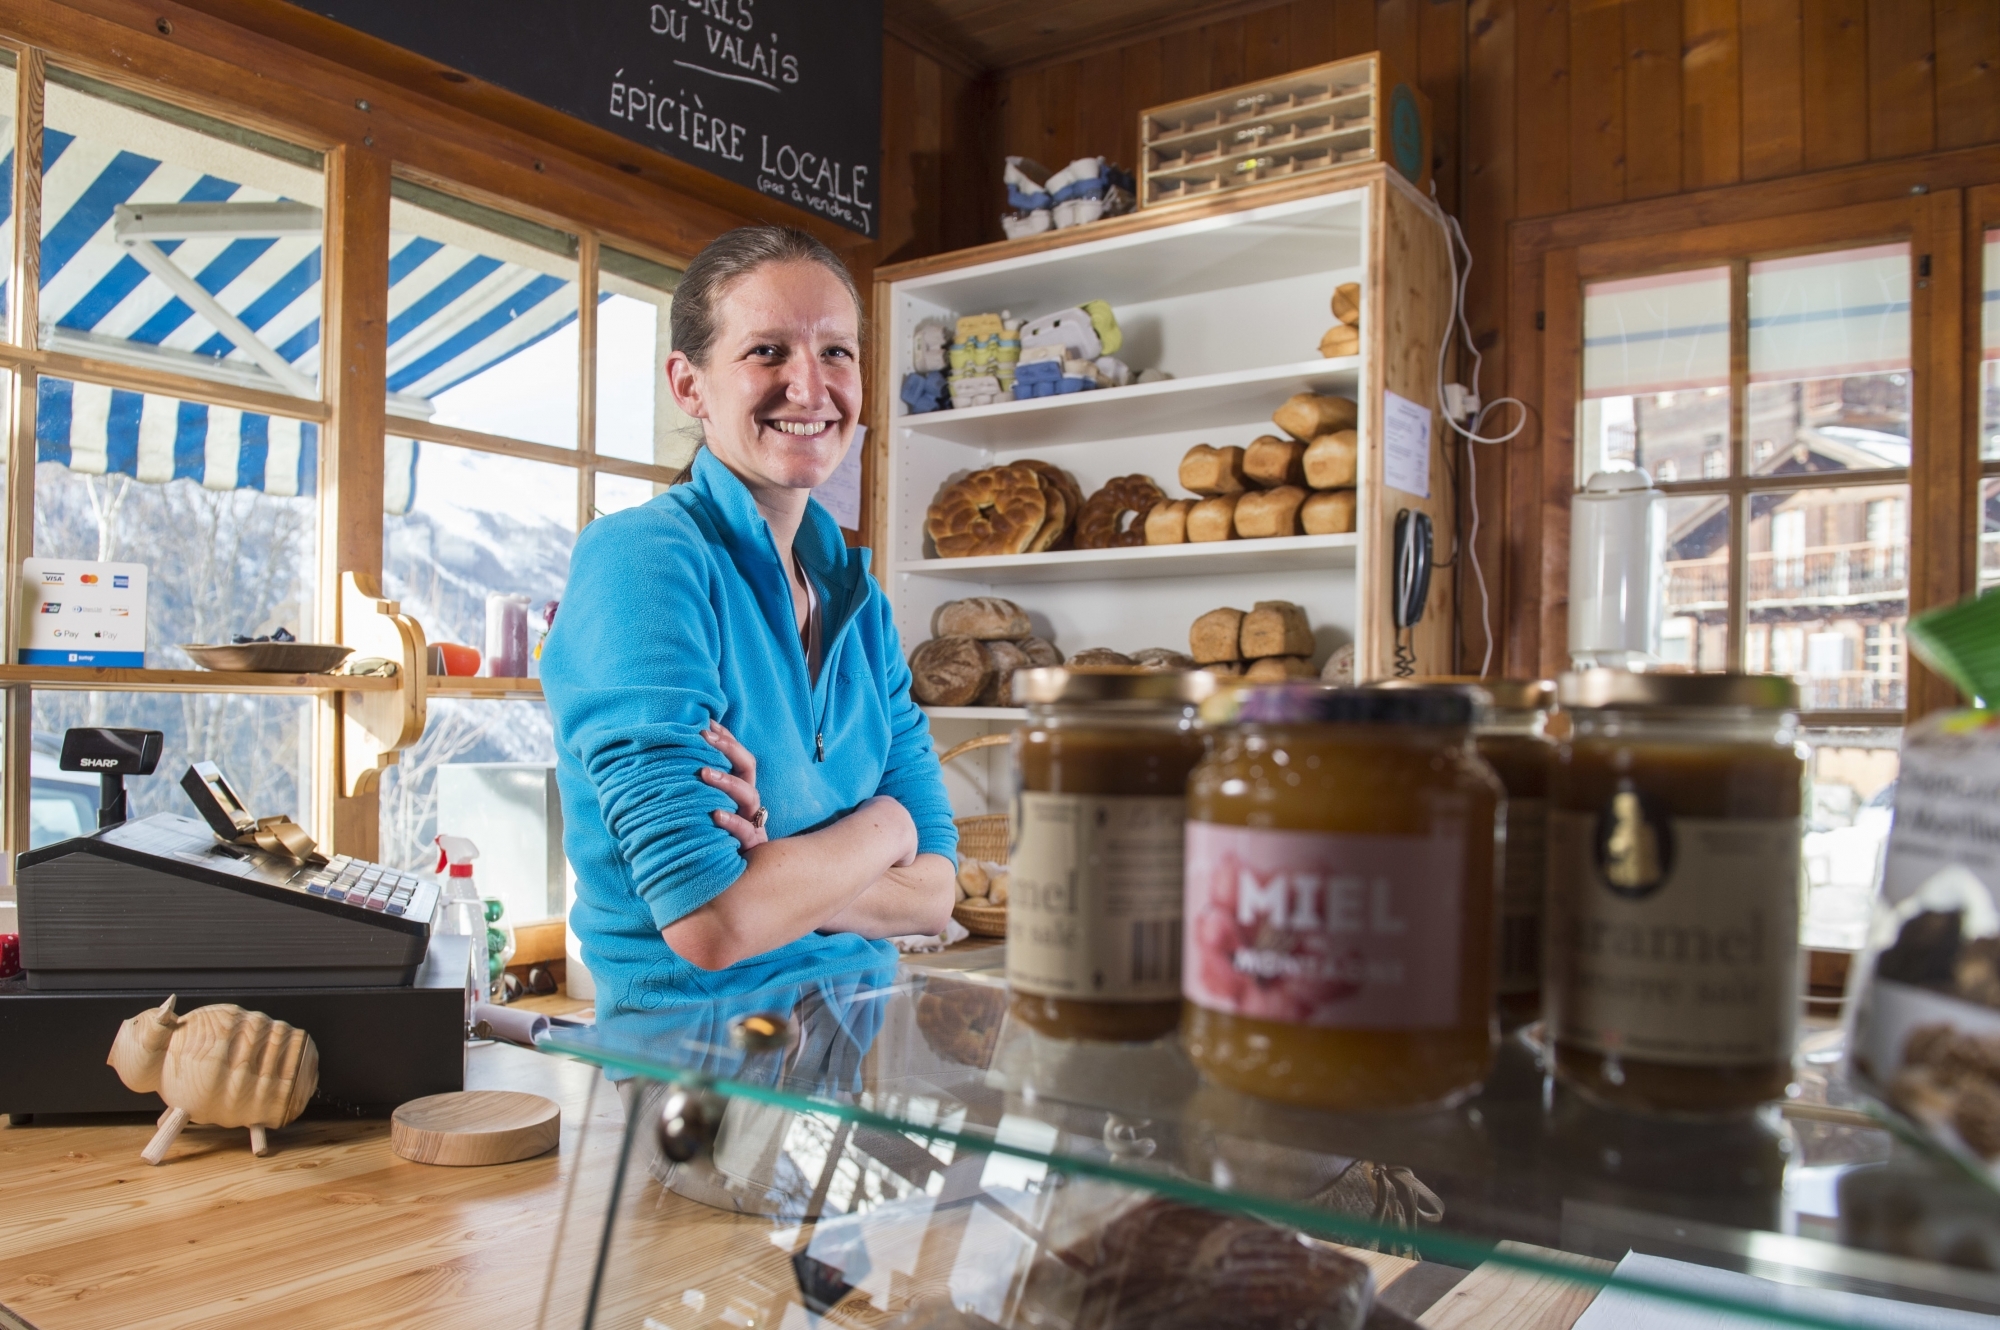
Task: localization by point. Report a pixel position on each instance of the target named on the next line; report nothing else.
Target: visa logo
(52, 607)
(119, 581)
(51, 579)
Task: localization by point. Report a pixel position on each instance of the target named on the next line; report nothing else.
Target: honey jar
(1512, 735)
(1094, 908)
(1342, 893)
(1674, 887)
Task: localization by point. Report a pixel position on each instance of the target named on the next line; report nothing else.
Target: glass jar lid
(1505, 694)
(1621, 690)
(1056, 685)
(1318, 704)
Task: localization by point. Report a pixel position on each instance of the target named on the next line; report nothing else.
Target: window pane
(217, 503)
(636, 416)
(482, 319)
(458, 731)
(1694, 628)
(616, 493)
(1989, 533)
(1830, 362)
(7, 136)
(1656, 376)
(263, 743)
(1853, 788)
(472, 524)
(172, 241)
(1989, 364)
(1829, 593)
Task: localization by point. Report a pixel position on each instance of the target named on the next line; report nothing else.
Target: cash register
(229, 908)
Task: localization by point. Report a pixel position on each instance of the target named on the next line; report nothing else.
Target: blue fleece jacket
(678, 613)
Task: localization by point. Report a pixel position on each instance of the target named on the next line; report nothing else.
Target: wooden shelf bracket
(376, 727)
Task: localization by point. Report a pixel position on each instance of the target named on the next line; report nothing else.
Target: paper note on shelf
(77, 612)
(1619, 1308)
(1406, 445)
(841, 494)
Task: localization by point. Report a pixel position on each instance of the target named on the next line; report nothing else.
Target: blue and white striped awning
(149, 262)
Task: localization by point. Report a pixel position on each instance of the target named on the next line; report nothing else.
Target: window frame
(355, 245)
(1942, 507)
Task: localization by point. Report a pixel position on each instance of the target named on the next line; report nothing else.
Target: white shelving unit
(1230, 297)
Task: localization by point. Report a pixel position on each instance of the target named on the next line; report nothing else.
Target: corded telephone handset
(1412, 572)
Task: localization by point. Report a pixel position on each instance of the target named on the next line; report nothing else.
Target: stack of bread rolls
(1270, 644)
(1344, 337)
(1302, 483)
(975, 647)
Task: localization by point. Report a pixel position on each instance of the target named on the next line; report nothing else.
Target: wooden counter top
(332, 1230)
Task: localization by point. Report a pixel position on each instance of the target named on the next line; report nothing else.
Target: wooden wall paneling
(1487, 201)
(1353, 27)
(1770, 39)
(1654, 109)
(1902, 84)
(1060, 142)
(1440, 71)
(350, 515)
(1834, 81)
(1183, 65)
(1968, 72)
(1542, 131)
(1102, 123)
(1267, 44)
(1021, 116)
(1519, 620)
(1712, 94)
(1224, 44)
(1139, 74)
(1396, 37)
(1597, 103)
(896, 188)
(1313, 32)
(1562, 373)
(1944, 464)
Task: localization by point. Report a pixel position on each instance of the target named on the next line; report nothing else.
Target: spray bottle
(464, 914)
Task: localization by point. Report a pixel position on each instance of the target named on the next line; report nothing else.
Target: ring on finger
(760, 817)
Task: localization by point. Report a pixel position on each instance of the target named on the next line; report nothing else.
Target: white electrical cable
(1454, 244)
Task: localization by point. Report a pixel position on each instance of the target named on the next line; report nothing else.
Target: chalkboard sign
(784, 96)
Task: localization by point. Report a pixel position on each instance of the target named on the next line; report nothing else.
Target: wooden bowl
(269, 657)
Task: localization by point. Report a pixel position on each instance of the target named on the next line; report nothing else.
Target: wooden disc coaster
(475, 1127)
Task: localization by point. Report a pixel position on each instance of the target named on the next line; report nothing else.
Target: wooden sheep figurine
(220, 1066)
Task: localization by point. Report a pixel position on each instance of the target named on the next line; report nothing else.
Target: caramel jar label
(1094, 905)
(1674, 939)
(1326, 930)
(1524, 886)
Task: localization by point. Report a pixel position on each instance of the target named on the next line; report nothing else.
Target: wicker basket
(982, 836)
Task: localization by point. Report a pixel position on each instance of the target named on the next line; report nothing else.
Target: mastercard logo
(88, 579)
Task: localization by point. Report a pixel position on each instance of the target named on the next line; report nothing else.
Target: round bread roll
(1099, 657)
(999, 690)
(1040, 652)
(1279, 669)
(1340, 340)
(1115, 516)
(972, 879)
(1347, 303)
(1163, 658)
(1331, 459)
(995, 511)
(1167, 523)
(1339, 667)
(988, 618)
(950, 671)
(1328, 513)
(996, 888)
(1072, 495)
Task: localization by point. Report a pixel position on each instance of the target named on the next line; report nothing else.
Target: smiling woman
(747, 784)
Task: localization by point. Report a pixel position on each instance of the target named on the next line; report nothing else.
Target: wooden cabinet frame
(1940, 205)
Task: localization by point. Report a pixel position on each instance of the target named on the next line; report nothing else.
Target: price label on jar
(1674, 939)
(1094, 907)
(1326, 930)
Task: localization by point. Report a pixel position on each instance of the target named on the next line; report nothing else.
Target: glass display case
(887, 1147)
